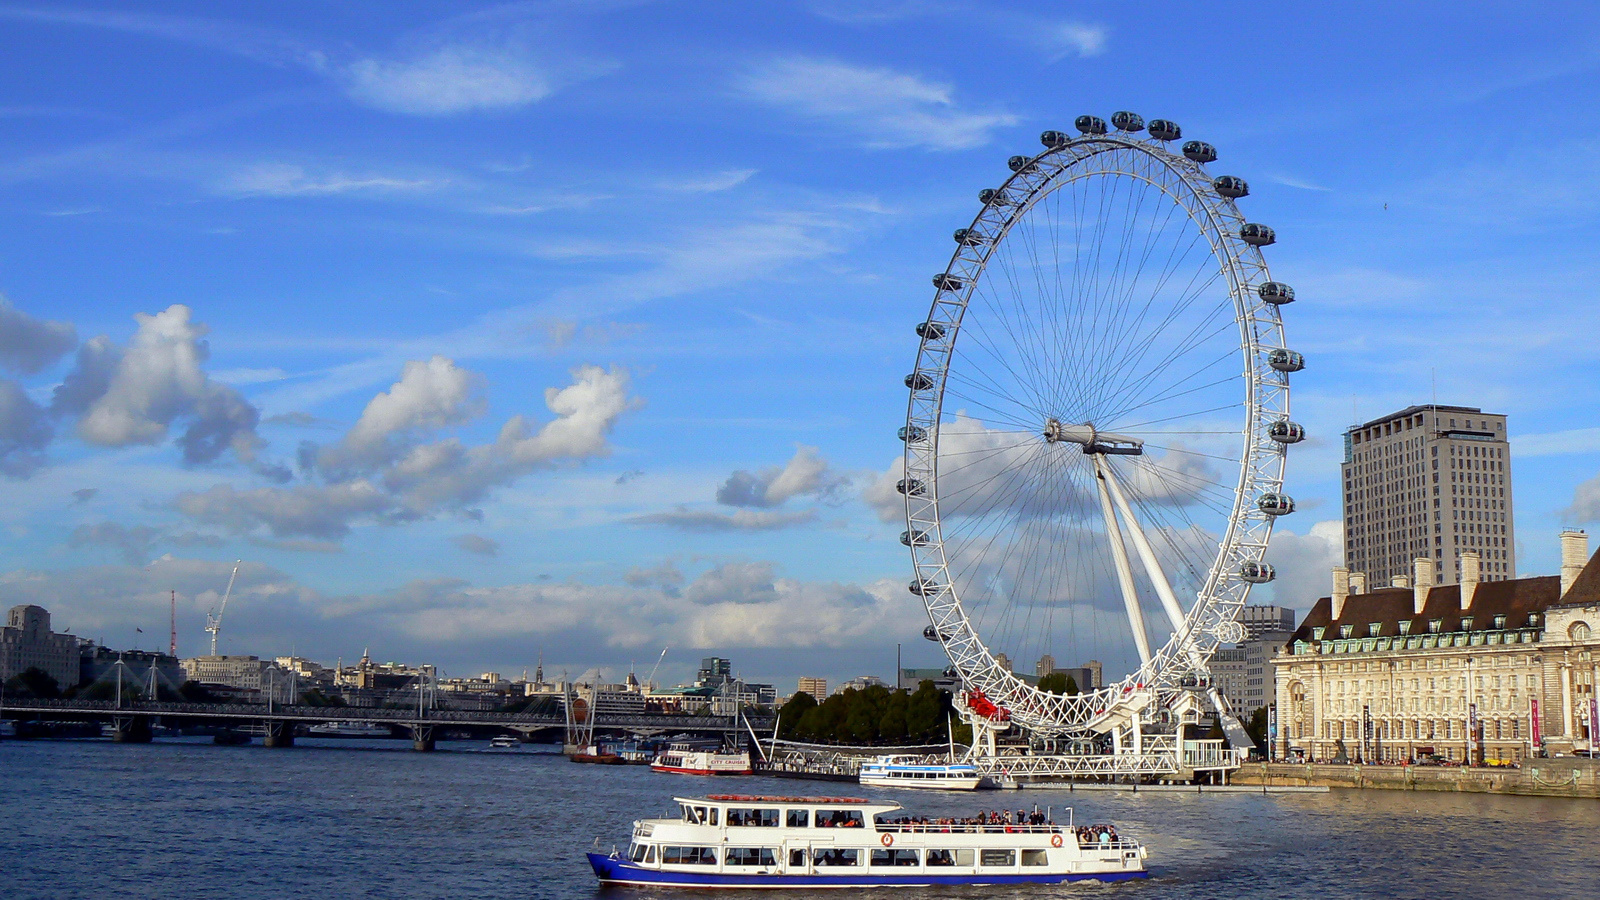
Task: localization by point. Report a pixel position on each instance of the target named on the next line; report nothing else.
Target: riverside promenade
(1534, 778)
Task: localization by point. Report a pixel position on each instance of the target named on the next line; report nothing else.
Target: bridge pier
(422, 738)
(278, 734)
(130, 729)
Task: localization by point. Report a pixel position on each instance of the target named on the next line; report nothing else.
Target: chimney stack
(1341, 589)
(1358, 582)
(1400, 581)
(1574, 554)
(1424, 584)
(1471, 566)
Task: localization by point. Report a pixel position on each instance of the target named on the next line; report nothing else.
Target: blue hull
(621, 871)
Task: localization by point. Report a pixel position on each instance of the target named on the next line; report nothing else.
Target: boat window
(1034, 858)
(689, 856)
(894, 857)
(799, 818)
(949, 857)
(797, 857)
(839, 818)
(750, 856)
(753, 818)
(714, 815)
(650, 854)
(835, 856)
(998, 857)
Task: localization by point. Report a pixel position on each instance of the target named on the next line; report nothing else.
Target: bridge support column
(422, 738)
(278, 734)
(130, 729)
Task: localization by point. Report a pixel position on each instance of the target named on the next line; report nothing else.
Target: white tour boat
(504, 742)
(349, 729)
(919, 772)
(737, 841)
(688, 759)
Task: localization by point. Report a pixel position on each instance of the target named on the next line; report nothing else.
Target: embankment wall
(1536, 777)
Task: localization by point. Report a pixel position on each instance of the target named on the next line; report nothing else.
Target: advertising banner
(1594, 722)
(1472, 721)
(1534, 730)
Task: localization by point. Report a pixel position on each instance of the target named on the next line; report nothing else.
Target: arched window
(1579, 631)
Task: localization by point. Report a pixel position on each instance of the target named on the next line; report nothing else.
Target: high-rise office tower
(1428, 481)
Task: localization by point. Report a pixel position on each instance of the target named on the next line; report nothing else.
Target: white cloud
(133, 395)
(429, 395)
(313, 511)
(740, 520)
(477, 543)
(450, 80)
(1304, 563)
(25, 431)
(1065, 39)
(805, 474)
(28, 344)
(287, 180)
(889, 109)
(708, 184)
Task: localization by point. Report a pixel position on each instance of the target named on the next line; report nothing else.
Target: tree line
(872, 715)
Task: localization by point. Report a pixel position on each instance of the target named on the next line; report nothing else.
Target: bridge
(131, 720)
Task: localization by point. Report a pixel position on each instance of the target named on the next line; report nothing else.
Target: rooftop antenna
(214, 623)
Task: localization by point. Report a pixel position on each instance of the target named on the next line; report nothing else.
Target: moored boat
(349, 729)
(596, 755)
(920, 772)
(739, 841)
(688, 759)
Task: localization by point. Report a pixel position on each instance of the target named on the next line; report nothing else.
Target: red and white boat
(688, 759)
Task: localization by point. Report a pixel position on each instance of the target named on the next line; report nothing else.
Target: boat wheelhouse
(687, 758)
(920, 772)
(742, 841)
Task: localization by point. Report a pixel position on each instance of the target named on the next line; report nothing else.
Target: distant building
(26, 642)
(1228, 674)
(860, 683)
(714, 672)
(1260, 674)
(1044, 666)
(943, 679)
(1431, 481)
(1003, 661)
(245, 673)
(816, 687)
(96, 662)
(1259, 619)
(1474, 670)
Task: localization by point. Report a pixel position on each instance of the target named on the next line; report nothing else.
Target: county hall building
(1479, 670)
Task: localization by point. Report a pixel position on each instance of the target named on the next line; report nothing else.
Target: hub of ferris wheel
(1108, 289)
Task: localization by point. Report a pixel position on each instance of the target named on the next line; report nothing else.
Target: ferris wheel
(1097, 426)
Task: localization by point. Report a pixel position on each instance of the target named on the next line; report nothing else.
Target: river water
(345, 819)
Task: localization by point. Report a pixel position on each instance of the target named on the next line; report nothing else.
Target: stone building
(1479, 670)
(1227, 673)
(1258, 620)
(1430, 481)
(26, 642)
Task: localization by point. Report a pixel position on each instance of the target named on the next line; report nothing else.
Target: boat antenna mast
(214, 623)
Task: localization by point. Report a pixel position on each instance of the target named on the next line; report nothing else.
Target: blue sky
(454, 326)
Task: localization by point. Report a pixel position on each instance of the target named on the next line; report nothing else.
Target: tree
(1058, 683)
(892, 726)
(793, 712)
(1257, 728)
(35, 682)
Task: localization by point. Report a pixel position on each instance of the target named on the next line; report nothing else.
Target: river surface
(346, 819)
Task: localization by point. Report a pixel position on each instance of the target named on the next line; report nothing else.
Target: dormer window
(1318, 632)
(1405, 626)
(1374, 628)
(1533, 620)
(1499, 622)
(1466, 623)
(1346, 630)
(1434, 625)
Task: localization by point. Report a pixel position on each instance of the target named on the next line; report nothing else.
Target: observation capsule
(1165, 130)
(1286, 432)
(930, 331)
(1200, 151)
(994, 197)
(1127, 121)
(919, 382)
(1054, 139)
(914, 538)
(1257, 235)
(946, 282)
(1276, 292)
(1286, 360)
(1090, 124)
(911, 434)
(1257, 573)
(924, 587)
(1019, 163)
(911, 487)
(1231, 186)
(967, 237)
(1274, 504)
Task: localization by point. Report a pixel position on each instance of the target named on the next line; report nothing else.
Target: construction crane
(651, 681)
(214, 623)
